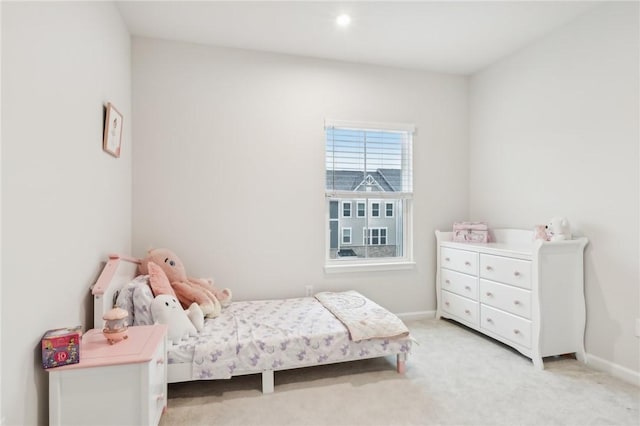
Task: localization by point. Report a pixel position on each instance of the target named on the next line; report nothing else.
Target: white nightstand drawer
(506, 270)
(508, 298)
(462, 284)
(511, 327)
(461, 307)
(459, 260)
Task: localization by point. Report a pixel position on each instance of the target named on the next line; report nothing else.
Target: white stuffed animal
(166, 309)
(558, 229)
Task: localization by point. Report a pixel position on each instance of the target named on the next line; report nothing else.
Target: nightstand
(120, 384)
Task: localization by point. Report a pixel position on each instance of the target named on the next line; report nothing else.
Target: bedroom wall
(554, 131)
(65, 203)
(229, 164)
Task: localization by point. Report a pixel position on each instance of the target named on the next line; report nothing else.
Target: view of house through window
(368, 185)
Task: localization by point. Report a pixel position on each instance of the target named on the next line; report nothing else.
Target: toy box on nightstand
(61, 347)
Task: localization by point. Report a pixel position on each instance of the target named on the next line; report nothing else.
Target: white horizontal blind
(369, 160)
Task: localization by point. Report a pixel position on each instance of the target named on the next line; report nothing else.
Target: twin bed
(261, 337)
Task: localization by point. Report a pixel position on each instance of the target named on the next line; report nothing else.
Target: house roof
(387, 180)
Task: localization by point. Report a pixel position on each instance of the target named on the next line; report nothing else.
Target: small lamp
(115, 326)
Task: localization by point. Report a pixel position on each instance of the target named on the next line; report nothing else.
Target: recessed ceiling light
(343, 20)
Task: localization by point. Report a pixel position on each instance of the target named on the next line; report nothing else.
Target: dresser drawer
(506, 270)
(508, 298)
(158, 383)
(511, 327)
(459, 260)
(461, 307)
(462, 284)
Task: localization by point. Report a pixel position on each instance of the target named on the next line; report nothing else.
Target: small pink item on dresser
(471, 232)
(115, 327)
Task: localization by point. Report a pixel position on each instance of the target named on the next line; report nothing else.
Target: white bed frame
(120, 270)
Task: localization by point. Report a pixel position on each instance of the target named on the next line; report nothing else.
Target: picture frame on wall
(112, 131)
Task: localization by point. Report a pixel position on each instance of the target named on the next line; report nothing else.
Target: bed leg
(401, 362)
(267, 381)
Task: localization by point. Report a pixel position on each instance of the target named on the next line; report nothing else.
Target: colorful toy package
(61, 346)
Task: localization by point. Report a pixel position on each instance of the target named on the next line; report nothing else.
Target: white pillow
(142, 298)
(125, 296)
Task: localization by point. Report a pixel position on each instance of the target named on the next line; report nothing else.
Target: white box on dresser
(527, 294)
(120, 384)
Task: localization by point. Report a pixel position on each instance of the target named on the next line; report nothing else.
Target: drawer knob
(489, 294)
(446, 259)
(489, 320)
(516, 331)
(468, 312)
(489, 268)
(160, 397)
(446, 303)
(466, 287)
(516, 302)
(516, 273)
(467, 263)
(447, 282)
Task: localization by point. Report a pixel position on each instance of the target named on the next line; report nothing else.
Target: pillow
(158, 281)
(167, 310)
(142, 298)
(125, 296)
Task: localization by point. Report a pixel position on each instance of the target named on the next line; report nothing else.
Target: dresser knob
(516, 302)
(467, 263)
(468, 312)
(516, 273)
(489, 268)
(516, 331)
(446, 303)
(447, 282)
(489, 320)
(466, 287)
(160, 397)
(489, 294)
(446, 259)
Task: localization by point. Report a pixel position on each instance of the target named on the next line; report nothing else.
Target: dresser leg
(537, 363)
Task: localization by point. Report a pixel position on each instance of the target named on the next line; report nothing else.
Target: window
(346, 235)
(375, 209)
(346, 209)
(388, 209)
(369, 167)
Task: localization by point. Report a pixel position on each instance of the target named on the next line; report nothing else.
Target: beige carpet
(454, 377)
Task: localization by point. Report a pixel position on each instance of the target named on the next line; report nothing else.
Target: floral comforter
(250, 337)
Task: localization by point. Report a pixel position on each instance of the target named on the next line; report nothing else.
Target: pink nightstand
(123, 383)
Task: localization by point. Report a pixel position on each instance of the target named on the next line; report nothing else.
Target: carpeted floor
(454, 377)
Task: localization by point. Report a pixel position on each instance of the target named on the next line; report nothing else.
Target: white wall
(229, 164)
(65, 203)
(554, 131)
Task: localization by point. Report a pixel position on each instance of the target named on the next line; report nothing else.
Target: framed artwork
(112, 131)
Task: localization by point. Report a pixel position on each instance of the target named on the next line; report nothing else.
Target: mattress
(264, 335)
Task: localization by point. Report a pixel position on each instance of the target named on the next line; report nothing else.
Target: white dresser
(527, 294)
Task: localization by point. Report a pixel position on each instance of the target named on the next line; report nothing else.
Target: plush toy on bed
(166, 309)
(187, 290)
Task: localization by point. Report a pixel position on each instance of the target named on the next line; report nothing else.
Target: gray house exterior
(363, 226)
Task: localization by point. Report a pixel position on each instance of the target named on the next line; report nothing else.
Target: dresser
(524, 293)
(120, 384)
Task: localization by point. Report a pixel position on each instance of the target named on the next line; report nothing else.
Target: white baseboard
(406, 316)
(615, 370)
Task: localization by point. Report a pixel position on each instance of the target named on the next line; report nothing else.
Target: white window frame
(393, 209)
(364, 210)
(406, 261)
(342, 205)
(378, 203)
(342, 239)
(367, 239)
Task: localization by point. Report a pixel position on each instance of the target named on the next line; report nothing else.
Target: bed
(264, 336)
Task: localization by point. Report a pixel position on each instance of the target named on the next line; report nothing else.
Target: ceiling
(459, 37)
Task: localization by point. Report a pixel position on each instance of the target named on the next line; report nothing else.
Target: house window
(375, 209)
(369, 167)
(346, 209)
(346, 235)
(388, 209)
(375, 236)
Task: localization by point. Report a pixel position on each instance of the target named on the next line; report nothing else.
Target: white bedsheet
(275, 334)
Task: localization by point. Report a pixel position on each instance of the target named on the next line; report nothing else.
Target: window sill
(348, 266)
